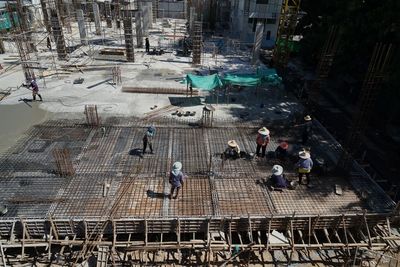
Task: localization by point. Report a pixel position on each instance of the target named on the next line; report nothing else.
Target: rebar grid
(103, 156)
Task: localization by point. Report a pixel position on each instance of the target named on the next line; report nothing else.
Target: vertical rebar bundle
(368, 95)
(107, 7)
(325, 63)
(207, 116)
(92, 117)
(287, 25)
(117, 77)
(197, 43)
(130, 55)
(155, 10)
(58, 34)
(62, 157)
(23, 51)
(46, 19)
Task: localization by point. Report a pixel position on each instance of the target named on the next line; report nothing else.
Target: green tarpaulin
(242, 79)
(269, 75)
(206, 83)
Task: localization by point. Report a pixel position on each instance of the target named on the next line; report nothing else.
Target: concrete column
(130, 55)
(146, 16)
(81, 25)
(139, 30)
(258, 38)
(96, 14)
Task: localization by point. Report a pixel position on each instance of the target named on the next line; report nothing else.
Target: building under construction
(77, 189)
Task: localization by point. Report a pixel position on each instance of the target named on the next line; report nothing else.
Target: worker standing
(147, 44)
(262, 141)
(304, 165)
(307, 126)
(148, 139)
(35, 90)
(176, 179)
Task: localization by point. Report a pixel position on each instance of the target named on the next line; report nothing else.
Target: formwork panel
(194, 199)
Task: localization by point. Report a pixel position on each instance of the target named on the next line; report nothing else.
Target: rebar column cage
(207, 116)
(92, 117)
(62, 157)
(197, 43)
(373, 81)
(325, 64)
(286, 30)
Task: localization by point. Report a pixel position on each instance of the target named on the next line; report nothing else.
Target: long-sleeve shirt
(176, 179)
(262, 140)
(34, 86)
(305, 164)
(279, 181)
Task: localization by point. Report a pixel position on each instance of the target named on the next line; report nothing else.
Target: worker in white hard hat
(176, 179)
(262, 141)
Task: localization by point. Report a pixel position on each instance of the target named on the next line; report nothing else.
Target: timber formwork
(117, 197)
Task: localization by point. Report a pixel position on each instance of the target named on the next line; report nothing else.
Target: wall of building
(246, 13)
(169, 9)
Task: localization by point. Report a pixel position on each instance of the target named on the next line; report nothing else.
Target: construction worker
(148, 139)
(262, 141)
(304, 165)
(35, 90)
(307, 129)
(278, 179)
(147, 44)
(233, 150)
(176, 179)
(281, 152)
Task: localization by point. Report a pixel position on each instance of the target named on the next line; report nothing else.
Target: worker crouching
(233, 150)
(278, 179)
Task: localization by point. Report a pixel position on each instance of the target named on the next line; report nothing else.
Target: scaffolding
(369, 92)
(325, 64)
(197, 43)
(286, 29)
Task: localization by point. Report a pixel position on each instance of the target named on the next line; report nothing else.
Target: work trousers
(34, 96)
(263, 148)
(145, 142)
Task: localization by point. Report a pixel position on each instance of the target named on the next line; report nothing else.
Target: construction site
(81, 83)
